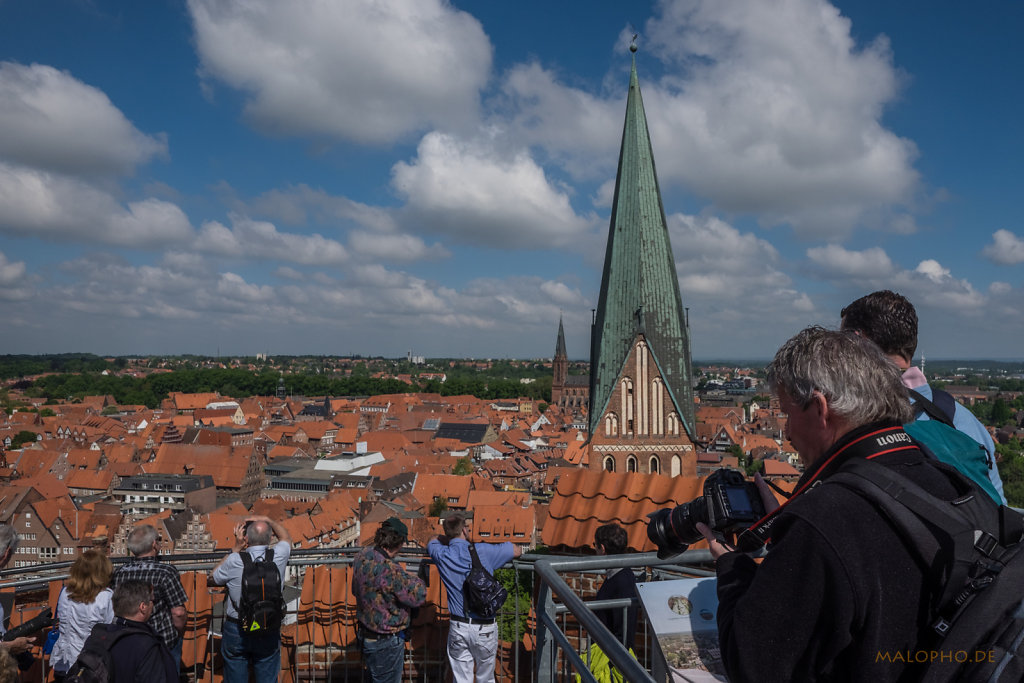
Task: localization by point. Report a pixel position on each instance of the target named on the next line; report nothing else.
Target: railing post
(545, 649)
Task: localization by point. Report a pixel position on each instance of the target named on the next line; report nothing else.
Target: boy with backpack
(890, 321)
(254, 574)
(127, 650)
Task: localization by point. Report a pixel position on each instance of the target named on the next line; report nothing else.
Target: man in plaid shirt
(169, 598)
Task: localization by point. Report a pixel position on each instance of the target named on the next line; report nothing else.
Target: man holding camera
(261, 649)
(8, 544)
(839, 593)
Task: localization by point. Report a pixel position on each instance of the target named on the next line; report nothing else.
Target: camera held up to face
(729, 505)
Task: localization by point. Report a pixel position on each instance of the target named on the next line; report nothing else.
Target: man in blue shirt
(890, 321)
(472, 640)
(261, 650)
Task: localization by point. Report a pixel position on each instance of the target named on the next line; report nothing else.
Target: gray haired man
(837, 575)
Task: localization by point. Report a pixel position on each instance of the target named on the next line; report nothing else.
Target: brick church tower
(641, 393)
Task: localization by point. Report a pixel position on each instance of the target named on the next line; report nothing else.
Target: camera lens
(674, 530)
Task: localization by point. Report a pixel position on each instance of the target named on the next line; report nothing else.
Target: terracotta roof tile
(586, 499)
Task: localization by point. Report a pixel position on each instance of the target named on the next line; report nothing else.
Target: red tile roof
(587, 499)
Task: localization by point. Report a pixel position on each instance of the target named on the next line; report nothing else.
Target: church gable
(640, 428)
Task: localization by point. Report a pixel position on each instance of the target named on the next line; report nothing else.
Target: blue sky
(354, 177)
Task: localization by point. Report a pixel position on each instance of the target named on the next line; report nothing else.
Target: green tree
(1001, 413)
(463, 467)
(437, 507)
(23, 437)
(1011, 469)
(755, 465)
(513, 614)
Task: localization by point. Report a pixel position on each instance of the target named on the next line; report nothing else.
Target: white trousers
(470, 644)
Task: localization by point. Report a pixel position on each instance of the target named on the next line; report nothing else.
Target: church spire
(639, 305)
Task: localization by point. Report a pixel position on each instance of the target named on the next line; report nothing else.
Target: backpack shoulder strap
(943, 413)
(938, 532)
(268, 554)
(246, 559)
(477, 564)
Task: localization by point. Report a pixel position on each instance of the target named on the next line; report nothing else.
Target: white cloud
(933, 270)
(368, 72)
(1007, 249)
(575, 127)
(731, 283)
(301, 203)
(835, 260)
(483, 196)
(778, 112)
(247, 238)
(54, 122)
(561, 294)
(51, 206)
(11, 273)
(394, 248)
(289, 273)
(763, 108)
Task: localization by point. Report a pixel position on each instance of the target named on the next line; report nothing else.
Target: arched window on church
(657, 407)
(626, 396)
(672, 424)
(655, 465)
(611, 424)
(631, 463)
(609, 463)
(677, 466)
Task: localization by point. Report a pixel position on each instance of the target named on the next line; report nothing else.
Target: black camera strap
(867, 442)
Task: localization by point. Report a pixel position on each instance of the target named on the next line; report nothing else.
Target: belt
(233, 620)
(373, 636)
(470, 620)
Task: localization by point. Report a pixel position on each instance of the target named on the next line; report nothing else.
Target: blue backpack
(941, 439)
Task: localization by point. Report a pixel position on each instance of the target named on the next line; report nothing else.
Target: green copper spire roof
(639, 285)
(560, 342)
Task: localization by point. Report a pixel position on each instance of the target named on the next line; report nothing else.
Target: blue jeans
(384, 659)
(238, 652)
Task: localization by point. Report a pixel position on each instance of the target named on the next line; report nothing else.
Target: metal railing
(560, 628)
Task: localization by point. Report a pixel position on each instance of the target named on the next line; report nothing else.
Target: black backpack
(94, 663)
(484, 595)
(973, 555)
(261, 605)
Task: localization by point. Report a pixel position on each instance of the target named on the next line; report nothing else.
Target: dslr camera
(730, 504)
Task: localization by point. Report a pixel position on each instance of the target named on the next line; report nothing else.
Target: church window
(611, 424)
(609, 463)
(655, 465)
(677, 466)
(631, 463)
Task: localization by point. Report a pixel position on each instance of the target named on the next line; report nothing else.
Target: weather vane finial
(632, 43)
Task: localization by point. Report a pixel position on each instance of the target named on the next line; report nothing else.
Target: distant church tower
(567, 391)
(641, 392)
(559, 366)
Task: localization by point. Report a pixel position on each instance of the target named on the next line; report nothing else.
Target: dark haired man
(472, 639)
(619, 583)
(140, 656)
(385, 595)
(889, 320)
(168, 618)
(839, 596)
(261, 650)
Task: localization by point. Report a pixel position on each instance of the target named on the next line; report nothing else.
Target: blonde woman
(85, 601)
